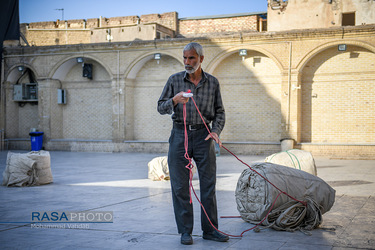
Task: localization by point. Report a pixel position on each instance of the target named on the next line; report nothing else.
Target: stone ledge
(336, 151)
(340, 151)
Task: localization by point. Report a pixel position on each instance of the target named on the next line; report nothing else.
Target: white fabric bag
(295, 158)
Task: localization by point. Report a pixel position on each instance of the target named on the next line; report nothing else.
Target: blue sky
(45, 10)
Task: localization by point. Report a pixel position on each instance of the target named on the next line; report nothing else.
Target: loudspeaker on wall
(87, 70)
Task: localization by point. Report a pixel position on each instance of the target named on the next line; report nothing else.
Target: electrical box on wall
(61, 96)
(25, 92)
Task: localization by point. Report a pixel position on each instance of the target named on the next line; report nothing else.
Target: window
(348, 19)
(264, 25)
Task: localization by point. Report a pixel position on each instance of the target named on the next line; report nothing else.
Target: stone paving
(142, 209)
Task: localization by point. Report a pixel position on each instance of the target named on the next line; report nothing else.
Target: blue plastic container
(36, 140)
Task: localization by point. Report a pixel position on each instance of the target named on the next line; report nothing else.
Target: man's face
(192, 61)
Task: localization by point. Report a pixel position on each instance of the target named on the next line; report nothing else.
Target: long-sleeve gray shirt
(206, 95)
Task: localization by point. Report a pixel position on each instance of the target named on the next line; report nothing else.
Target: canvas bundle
(255, 196)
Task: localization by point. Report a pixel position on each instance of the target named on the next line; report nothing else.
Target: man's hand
(179, 98)
(214, 136)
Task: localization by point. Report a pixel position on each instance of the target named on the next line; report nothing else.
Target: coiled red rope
(190, 166)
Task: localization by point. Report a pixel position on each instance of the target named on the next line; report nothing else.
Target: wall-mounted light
(79, 59)
(294, 87)
(157, 57)
(20, 68)
(243, 53)
(341, 47)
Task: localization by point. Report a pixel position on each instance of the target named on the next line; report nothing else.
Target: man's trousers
(203, 153)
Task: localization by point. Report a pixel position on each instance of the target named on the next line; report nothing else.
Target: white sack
(43, 166)
(29, 169)
(294, 158)
(158, 169)
(255, 196)
(19, 170)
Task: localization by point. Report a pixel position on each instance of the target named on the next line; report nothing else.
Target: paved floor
(142, 209)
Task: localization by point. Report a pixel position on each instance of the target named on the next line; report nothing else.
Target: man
(201, 148)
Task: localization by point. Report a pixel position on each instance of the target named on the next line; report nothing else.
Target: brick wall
(57, 37)
(337, 105)
(315, 14)
(338, 120)
(116, 21)
(251, 95)
(169, 19)
(92, 23)
(217, 25)
(76, 24)
(43, 25)
(22, 118)
(88, 112)
(80, 31)
(147, 91)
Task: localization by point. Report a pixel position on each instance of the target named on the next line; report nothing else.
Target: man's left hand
(214, 136)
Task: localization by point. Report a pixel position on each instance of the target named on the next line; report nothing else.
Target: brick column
(291, 105)
(295, 106)
(48, 111)
(129, 109)
(118, 115)
(11, 112)
(284, 104)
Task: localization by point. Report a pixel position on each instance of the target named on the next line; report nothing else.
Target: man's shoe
(186, 239)
(216, 236)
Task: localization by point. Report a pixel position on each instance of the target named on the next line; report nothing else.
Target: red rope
(190, 166)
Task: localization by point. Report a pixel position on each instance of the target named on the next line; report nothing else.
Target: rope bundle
(293, 216)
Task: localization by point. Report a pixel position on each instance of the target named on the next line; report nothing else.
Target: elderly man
(206, 91)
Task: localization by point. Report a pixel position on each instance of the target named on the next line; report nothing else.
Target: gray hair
(196, 46)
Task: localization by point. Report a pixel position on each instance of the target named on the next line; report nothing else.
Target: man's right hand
(179, 98)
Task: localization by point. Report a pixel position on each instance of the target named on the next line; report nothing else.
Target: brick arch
(336, 106)
(18, 118)
(251, 93)
(64, 66)
(13, 72)
(223, 55)
(137, 64)
(326, 46)
(78, 119)
(144, 82)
